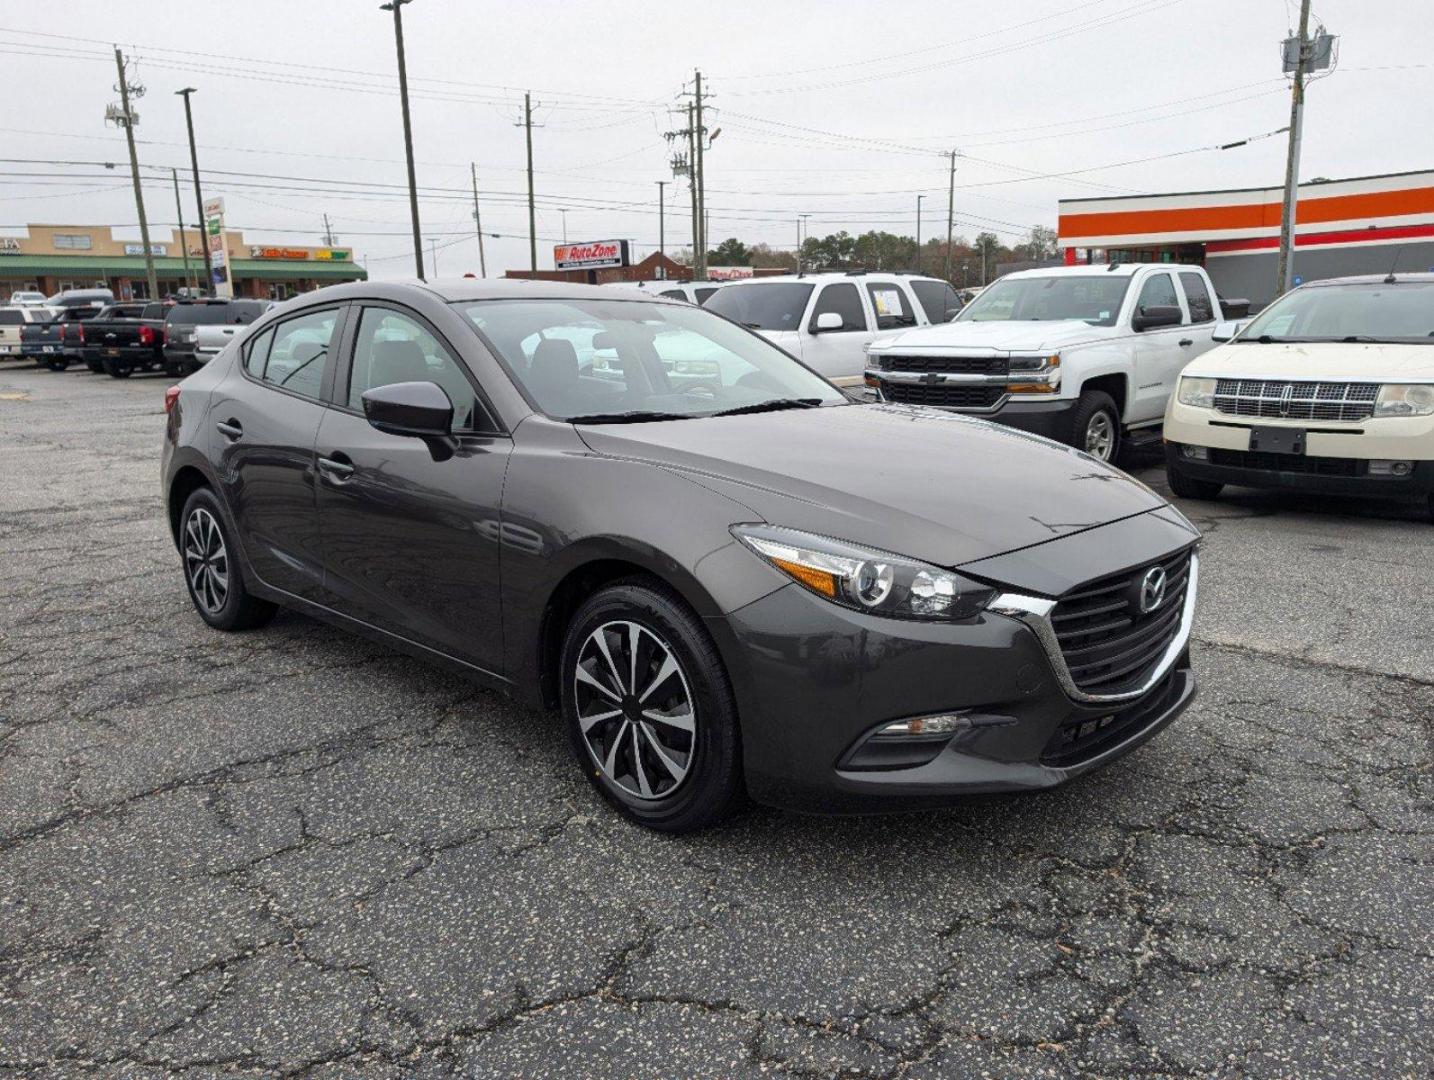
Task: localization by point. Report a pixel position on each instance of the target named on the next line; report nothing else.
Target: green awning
(132, 266)
(288, 269)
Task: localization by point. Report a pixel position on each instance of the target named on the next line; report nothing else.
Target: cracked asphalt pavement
(293, 852)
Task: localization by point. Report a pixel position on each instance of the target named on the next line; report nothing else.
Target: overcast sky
(835, 108)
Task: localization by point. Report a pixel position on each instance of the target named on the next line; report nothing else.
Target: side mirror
(1226, 331)
(420, 409)
(1156, 316)
(827, 321)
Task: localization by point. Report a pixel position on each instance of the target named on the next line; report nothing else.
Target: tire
(56, 364)
(117, 369)
(1187, 487)
(97, 366)
(172, 369)
(631, 758)
(1095, 426)
(216, 585)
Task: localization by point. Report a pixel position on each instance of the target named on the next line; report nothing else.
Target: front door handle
(338, 467)
(230, 428)
(1187, 341)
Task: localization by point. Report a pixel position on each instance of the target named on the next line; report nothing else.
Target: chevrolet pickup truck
(1085, 355)
(13, 321)
(125, 338)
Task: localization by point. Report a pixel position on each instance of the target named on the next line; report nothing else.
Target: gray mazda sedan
(729, 578)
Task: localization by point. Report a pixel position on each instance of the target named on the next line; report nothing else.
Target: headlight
(866, 579)
(1197, 392)
(1405, 399)
(1035, 374)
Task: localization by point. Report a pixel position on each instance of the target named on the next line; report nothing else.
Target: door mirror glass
(420, 409)
(1225, 331)
(827, 321)
(1156, 316)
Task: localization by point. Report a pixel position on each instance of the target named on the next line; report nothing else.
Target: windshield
(776, 305)
(637, 359)
(1373, 311)
(1092, 298)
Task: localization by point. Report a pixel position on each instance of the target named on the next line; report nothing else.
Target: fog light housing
(1382, 467)
(1194, 453)
(904, 744)
(918, 726)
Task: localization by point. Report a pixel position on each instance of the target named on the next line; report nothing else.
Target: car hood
(936, 486)
(1015, 336)
(1329, 360)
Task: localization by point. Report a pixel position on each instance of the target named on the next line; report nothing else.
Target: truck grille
(945, 396)
(956, 365)
(1108, 644)
(1290, 463)
(1295, 400)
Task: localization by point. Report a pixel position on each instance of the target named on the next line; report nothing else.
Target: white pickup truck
(1081, 354)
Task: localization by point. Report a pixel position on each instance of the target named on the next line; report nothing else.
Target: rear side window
(9, 317)
(845, 301)
(890, 304)
(673, 294)
(294, 354)
(937, 298)
(1202, 308)
(154, 311)
(703, 294)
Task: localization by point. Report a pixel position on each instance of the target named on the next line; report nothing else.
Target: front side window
(1197, 297)
(890, 304)
(673, 294)
(1400, 312)
(393, 348)
(635, 359)
(1158, 291)
(846, 302)
(1092, 298)
(773, 306)
(298, 352)
(937, 299)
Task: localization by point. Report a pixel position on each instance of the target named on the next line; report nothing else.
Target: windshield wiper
(634, 416)
(771, 406)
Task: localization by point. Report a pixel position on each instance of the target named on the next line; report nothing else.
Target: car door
(838, 353)
(1159, 351)
(892, 306)
(410, 526)
(265, 416)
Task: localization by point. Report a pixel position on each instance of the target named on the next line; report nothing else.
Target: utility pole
(692, 184)
(661, 217)
(433, 251)
(183, 243)
(198, 195)
(804, 232)
(328, 233)
(950, 217)
(700, 135)
(918, 232)
(564, 214)
(126, 119)
(799, 243)
(1284, 270)
(532, 213)
(396, 6)
(478, 222)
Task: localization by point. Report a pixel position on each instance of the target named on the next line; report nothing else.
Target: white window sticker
(1105, 314)
(886, 301)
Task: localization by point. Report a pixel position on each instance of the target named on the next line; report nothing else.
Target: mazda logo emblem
(1152, 589)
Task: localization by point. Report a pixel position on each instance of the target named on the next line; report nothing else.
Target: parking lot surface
(295, 852)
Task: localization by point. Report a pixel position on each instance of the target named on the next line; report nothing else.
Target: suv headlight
(1035, 374)
(1197, 392)
(1405, 399)
(866, 579)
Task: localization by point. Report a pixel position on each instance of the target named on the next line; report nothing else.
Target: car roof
(823, 276)
(1123, 269)
(457, 290)
(1412, 278)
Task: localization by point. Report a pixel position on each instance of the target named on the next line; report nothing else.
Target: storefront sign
(594, 255)
(332, 254)
(728, 273)
(138, 249)
(9, 245)
(257, 251)
(218, 254)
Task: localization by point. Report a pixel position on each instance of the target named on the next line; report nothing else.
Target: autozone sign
(593, 255)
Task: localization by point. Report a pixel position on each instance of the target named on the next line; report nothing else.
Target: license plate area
(112, 352)
(1278, 440)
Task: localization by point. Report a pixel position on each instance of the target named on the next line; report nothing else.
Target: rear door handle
(338, 467)
(1187, 341)
(230, 428)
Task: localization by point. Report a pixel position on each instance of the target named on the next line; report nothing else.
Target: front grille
(1289, 463)
(946, 396)
(1082, 738)
(1109, 646)
(1283, 400)
(956, 365)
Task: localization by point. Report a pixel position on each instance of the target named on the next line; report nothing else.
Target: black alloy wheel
(211, 571)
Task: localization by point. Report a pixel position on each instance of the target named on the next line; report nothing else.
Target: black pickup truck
(125, 338)
(56, 342)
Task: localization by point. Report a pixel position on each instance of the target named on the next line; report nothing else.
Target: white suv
(827, 320)
(694, 292)
(1329, 389)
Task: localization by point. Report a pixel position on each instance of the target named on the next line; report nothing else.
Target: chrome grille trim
(1283, 399)
(1035, 613)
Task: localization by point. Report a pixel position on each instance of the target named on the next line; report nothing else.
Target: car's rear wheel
(1187, 487)
(55, 364)
(649, 708)
(97, 366)
(1096, 425)
(118, 369)
(211, 570)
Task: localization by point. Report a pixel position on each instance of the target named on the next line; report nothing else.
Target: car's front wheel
(649, 708)
(1187, 487)
(1096, 427)
(211, 570)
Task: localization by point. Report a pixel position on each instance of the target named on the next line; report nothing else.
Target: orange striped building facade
(1355, 226)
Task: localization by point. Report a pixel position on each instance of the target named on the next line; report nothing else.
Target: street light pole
(1284, 271)
(396, 6)
(183, 243)
(918, 232)
(126, 120)
(198, 194)
(565, 225)
(661, 217)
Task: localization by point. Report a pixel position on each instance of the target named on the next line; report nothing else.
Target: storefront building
(52, 258)
(1366, 225)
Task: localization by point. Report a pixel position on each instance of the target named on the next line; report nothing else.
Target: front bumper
(814, 680)
(1038, 414)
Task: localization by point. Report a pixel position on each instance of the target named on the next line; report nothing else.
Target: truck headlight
(1405, 399)
(1197, 392)
(866, 579)
(1035, 374)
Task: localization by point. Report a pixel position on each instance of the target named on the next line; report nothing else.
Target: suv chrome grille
(1285, 400)
(958, 365)
(1108, 643)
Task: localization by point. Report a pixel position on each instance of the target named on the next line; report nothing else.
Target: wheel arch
(1114, 383)
(186, 481)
